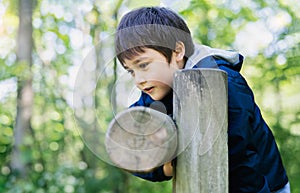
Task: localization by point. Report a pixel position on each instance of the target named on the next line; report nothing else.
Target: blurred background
(43, 44)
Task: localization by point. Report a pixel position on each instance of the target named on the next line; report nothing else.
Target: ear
(179, 51)
(178, 54)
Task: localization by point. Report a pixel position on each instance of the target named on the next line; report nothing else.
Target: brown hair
(157, 28)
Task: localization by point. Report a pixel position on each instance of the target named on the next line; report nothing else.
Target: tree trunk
(25, 92)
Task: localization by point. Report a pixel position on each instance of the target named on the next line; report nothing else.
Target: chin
(157, 98)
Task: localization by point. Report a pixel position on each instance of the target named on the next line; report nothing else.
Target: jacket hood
(231, 59)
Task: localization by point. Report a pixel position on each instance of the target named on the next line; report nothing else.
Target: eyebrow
(138, 60)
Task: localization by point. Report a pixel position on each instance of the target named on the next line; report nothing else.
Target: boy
(151, 44)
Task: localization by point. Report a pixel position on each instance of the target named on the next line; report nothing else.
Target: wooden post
(141, 138)
(200, 111)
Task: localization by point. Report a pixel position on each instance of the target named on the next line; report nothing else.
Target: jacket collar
(203, 54)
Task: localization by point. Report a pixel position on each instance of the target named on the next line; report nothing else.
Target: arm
(161, 173)
(244, 160)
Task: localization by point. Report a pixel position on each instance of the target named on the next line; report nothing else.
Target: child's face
(152, 73)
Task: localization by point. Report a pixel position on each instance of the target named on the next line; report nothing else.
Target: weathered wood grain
(140, 139)
(200, 111)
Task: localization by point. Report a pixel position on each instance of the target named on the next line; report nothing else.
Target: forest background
(42, 146)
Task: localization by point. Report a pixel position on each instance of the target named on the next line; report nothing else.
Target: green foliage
(55, 155)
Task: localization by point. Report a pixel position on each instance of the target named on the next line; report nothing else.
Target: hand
(168, 169)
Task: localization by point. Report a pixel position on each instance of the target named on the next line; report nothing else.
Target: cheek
(168, 78)
(164, 81)
(164, 77)
(164, 84)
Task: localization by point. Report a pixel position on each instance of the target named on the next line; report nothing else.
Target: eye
(143, 65)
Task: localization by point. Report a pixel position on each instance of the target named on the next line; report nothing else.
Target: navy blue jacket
(254, 161)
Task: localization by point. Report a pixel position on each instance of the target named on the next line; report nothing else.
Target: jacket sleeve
(243, 157)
